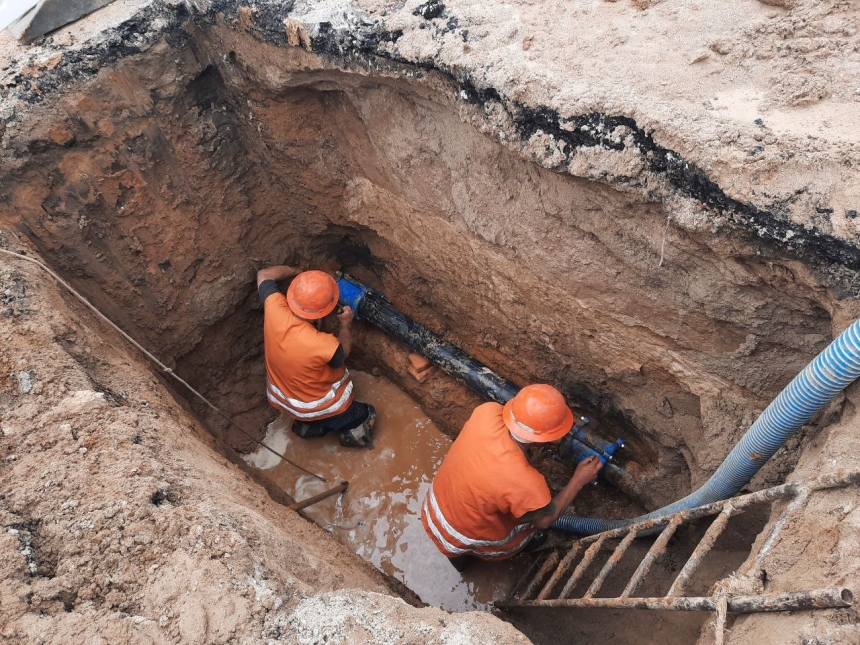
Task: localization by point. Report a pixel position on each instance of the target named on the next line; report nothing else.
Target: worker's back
(301, 381)
(484, 483)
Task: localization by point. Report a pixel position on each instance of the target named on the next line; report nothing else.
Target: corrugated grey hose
(827, 375)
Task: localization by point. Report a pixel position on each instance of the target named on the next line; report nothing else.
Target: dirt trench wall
(162, 184)
(122, 523)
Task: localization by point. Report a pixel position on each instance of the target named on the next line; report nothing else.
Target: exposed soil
(123, 523)
(652, 207)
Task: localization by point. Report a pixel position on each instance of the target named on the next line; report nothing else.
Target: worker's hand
(346, 316)
(587, 470)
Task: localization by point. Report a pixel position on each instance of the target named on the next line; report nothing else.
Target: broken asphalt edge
(836, 259)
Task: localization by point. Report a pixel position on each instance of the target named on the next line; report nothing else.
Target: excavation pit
(379, 516)
(160, 183)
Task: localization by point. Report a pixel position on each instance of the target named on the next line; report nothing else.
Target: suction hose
(829, 373)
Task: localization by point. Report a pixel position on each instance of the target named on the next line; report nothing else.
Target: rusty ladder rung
(796, 504)
(614, 559)
(702, 549)
(586, 561)
(560, 571)
(525, 580)
(548, 564)
(650, 558)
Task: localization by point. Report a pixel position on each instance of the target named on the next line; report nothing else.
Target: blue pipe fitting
(573, 451)
(580, 443)
(827, 375)
(606, 455)
(351, 293)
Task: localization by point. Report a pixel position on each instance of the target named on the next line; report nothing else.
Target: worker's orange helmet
(537, 414)
(312, 295)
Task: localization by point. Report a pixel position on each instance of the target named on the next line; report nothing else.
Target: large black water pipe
(371, 306)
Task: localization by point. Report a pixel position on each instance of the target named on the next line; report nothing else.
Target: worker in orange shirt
(306, 376)
(486, 501)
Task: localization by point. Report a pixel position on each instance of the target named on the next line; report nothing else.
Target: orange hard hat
(312, 295)
(537, 414)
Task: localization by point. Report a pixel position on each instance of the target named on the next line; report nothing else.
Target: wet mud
(379, 516)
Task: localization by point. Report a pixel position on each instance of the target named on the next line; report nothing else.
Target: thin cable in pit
(155, 360)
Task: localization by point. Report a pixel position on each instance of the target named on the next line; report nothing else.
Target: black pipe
(370, 305)
(477, 376)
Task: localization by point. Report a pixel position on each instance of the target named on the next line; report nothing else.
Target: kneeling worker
(307, 378)
(486, 500)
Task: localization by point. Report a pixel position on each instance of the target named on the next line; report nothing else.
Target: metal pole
(702, 549)
(310, 501)
(657, 549)
(788, 601)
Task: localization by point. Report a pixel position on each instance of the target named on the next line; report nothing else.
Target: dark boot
(461, 562)
(535, 541)
(307, 430)
(361, 436)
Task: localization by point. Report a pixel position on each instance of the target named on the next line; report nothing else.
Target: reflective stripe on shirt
(309, 405)
(303, 416)
(454, 533)
(476, 549)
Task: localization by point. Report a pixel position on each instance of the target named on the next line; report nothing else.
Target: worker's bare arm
(345, 334)
(279, 272)
(585, 472)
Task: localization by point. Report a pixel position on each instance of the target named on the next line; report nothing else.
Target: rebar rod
(310, 501)
(657, 549)
(586, 561)
(613, 560)
(702, 549)
(560, 570)
(786, 601)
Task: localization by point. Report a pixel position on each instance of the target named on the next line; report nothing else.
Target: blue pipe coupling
(827, 375)
(351, 293)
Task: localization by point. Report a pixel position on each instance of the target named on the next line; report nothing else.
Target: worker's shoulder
(274, 303)
(486, 421)
(488, 410)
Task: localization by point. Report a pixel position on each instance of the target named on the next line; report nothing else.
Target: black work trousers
(356, 414)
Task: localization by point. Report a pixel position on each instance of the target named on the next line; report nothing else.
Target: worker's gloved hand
(346, 316)
(587, 470)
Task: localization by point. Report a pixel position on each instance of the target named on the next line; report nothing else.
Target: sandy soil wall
(123, 523)
(668, 235)
(162, 183)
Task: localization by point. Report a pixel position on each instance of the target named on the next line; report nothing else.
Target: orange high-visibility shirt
(484, 484)
(300, 380)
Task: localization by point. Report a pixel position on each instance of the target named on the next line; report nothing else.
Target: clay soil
(651, 206)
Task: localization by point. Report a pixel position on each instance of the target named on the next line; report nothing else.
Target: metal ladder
(552, 585)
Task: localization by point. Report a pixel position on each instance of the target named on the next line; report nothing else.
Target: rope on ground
(155, 360)
(725, 589)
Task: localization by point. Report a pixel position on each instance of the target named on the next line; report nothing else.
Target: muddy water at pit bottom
(379, 516)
